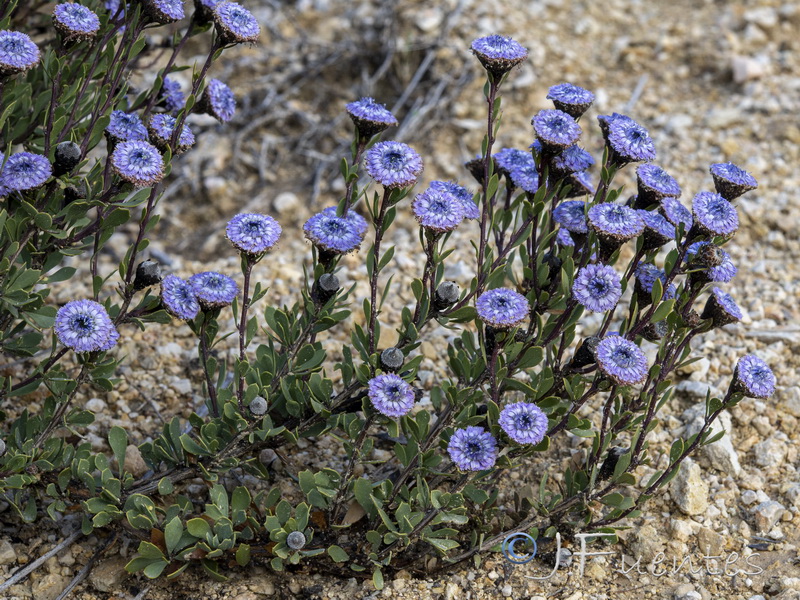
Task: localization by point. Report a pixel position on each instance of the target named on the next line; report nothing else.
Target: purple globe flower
(615, 221)
(573, 159)
(721, 308)
(629, 141)
(393, 164)
(253, 234)
(721, 272)
(125, 127)
(471, 210)
(713, 215)
(676, 213)
(370, 117)
(597, 287)
(657, 230)
(18, 53)
(526, 178)
(753, 377)
(84, 326)
(163, 11)
(218, 101)
(75, 21)
(731, 181)
(523, 422)
(472, 449)
(213, 290)
(438, 210)
(653, 184)
(571, 215)
(235, 24)
(555, 129)
(162, 126)
(580, 184)
(138, 163)
(502, 308)
(621, 360)
(178, 298)
(646, 275)
(336, 235)
(391, 395)
(605, 120)
(170, 96)
(564, 238)
(498, 54)
(25, 171)
(508, 159)
(571, 99)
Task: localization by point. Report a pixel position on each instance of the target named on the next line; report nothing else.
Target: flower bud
(392, 359)
(445, 295)
(148, 273)
(296, 540)
(67, 157)
(258, 406)
(325, 287)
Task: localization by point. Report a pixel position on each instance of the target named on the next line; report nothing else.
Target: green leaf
(663, 310)
(338, 554)
(172, 534)
(118, 440)
(198, 527)
(155, 569)
(377, 579)
(243, 554)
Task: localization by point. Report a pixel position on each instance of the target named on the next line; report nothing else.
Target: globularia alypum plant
(547, 251)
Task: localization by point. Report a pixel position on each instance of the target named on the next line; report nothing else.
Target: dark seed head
(147, 273)
(67, 157)
(392, 359)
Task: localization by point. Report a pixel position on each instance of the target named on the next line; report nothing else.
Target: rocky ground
(713, 81)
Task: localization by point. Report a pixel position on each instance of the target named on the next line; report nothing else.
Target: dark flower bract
(370, 117)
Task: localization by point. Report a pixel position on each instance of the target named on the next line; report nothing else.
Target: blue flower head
(615, 221)
(523, 422)
(336, 235)
(25, 171)
(570, 99)
(163, 11)
(438, 210)
(161, 128)
(472, 449)
(629, 141)
(498, 54)
(732, 181)
(84, 326)
(471, 210)
(253, 234)
(218, 101)
(138, 163)
(676, 213)
(178, 298)
(653, 183)
(18, 53)
(204, 10)
(572, 159)
(713, 215)
(502, 308)
(597, 287)
(571, 216)
(646, 275)
(509, 159)
(555, 129)
(621, 360)
(170, 96)
(125, 127)
(720, 270)
(370, 117)
(657, 230)
(721, 308)
(391, 395)
(213, 290)
(74, 21)
(393, 164)
(753, 377)
(235, 24)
